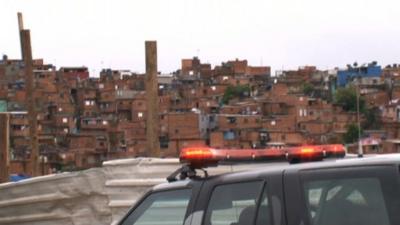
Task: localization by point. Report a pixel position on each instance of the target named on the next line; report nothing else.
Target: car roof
(253, 170)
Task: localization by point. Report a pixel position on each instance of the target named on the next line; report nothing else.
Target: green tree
(307, 88)
(347, 97)
(372, 118)
(351, 134)
(238, 91)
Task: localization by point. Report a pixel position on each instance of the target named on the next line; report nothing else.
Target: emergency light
(202, 157)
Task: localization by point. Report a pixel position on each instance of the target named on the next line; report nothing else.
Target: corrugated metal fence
(98, 196)
(95, 196)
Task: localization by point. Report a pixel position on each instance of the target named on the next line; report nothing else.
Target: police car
(359, 191)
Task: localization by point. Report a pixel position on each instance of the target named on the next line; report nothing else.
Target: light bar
(198, 157)
(201, 157)
(334, 150)
(307, 151)
(196, 153)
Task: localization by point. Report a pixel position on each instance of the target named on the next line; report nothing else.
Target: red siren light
(201, 157)
(198, 157)
(335, 150)
(307, 151)
(194, 153)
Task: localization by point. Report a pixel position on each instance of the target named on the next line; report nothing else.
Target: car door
(239, 200)
(169, 206)
(363, 195)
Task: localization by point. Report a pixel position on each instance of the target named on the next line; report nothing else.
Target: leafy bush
(347, 97)
(307, 88)
(238, 91)
(351, 135)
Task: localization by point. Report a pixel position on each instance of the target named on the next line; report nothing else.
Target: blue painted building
(351, 73)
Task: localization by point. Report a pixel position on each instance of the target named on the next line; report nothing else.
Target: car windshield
(163, 208)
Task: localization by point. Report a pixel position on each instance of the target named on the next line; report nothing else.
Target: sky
(283, 34)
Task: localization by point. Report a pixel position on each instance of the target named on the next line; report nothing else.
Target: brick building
(85, 120)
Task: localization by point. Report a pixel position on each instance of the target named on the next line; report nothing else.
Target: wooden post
(152, 121)
(20, 28)
(30, 101)
(20, 21)
(4, 147)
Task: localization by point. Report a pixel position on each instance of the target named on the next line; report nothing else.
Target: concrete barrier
(127, 180)
(98, 196)
(94, 196)
(70, 198)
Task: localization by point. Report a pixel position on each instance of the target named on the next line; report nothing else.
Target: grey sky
(279, 33)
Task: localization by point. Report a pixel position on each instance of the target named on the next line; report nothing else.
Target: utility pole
(360, 150)
(20, 28)
(4, 147)
(20, 21)
(26, 50)
(151, 82)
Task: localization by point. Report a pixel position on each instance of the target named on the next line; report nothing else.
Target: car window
(235, 204)
(167, 207)
(356, 201)
(264, 215)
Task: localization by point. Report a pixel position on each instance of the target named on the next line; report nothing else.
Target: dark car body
(362, 191)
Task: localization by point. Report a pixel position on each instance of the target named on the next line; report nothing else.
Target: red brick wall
(239, 66)
(76, 75)
(205, 70)
(165, 103)
(276, 108)
(396, 94)
(376, 99)
(107, 96)
(249, 136)
(124, 105)
(291, 138)
(258, 70)
(279, 89)
(94, 123)
(19, 121)
(2, 71)
(64, 108)
(217, 139)
(281, 123)
(78, 142)
(21, 141)
(390, 147)
(242, 121)
(316, 127)
(183, 125)
(186, 66)
(20, 96)
(205, 104)
(389, 113)
(3, 93)
(139, 104)
(88, 93)
(20, 167)
(227, 109)
(135, 131)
